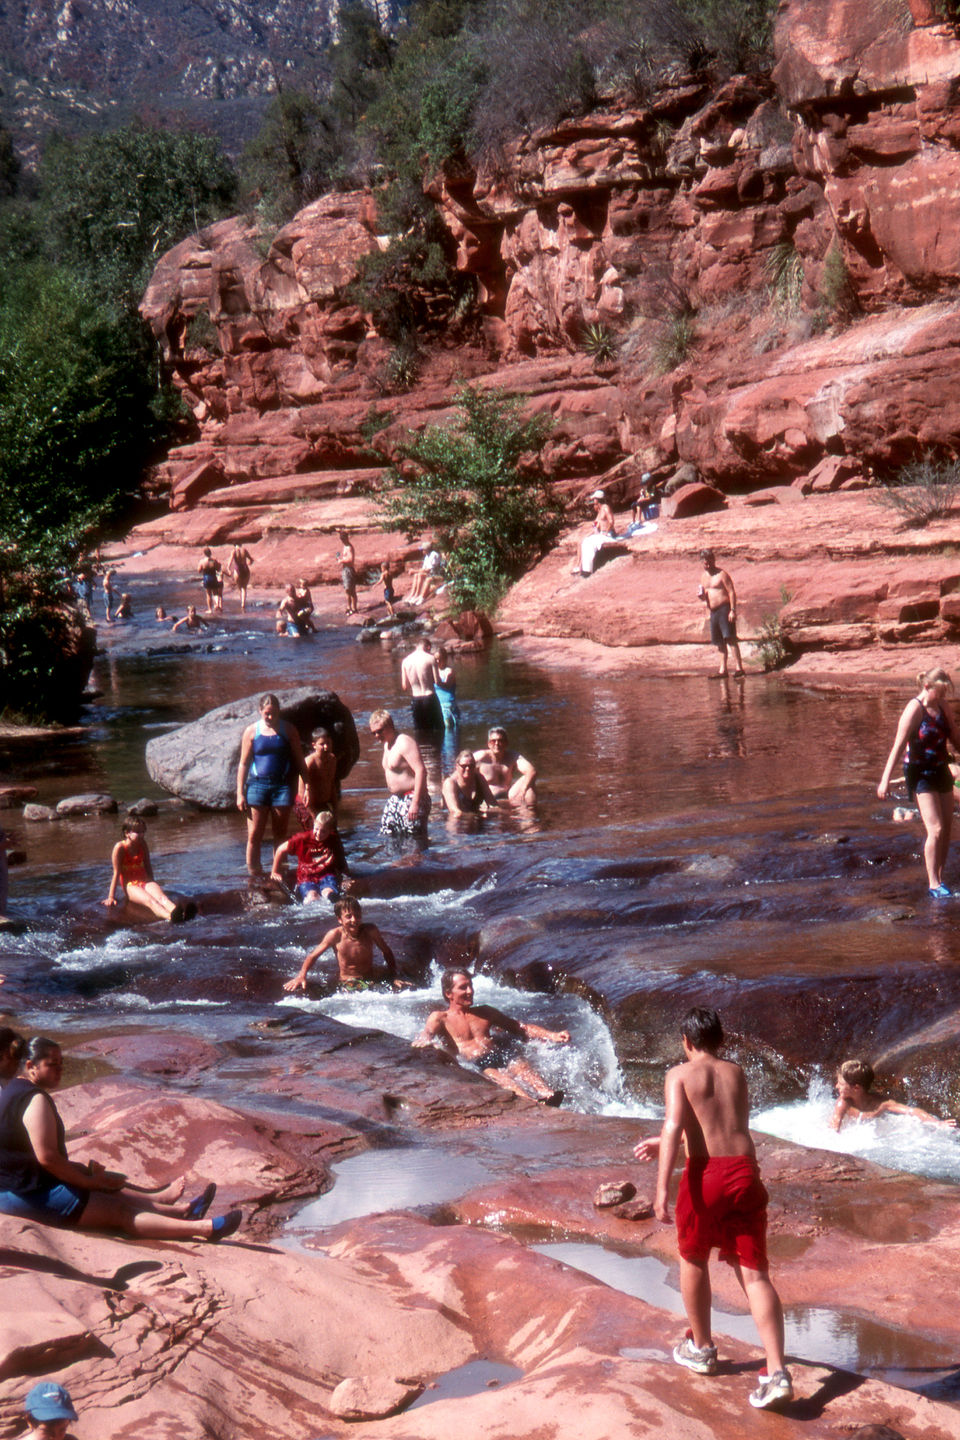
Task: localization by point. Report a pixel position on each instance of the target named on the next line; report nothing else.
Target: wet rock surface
(247, 1339)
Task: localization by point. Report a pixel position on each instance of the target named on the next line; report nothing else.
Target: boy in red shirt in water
(721, 1201)
(320, 860)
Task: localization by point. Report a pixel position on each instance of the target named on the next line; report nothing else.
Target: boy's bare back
(711, 1095)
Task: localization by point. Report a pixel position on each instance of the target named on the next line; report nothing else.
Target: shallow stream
(695, 841)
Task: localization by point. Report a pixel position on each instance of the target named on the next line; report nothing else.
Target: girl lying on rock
(39, 1182)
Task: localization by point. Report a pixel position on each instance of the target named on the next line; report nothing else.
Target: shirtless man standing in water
(465, 1029)
(418, 674)
(509, 776)
(717, 592)
(408, 808)
(721, 1202)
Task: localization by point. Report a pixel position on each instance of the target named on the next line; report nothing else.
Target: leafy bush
(785, 274)
(773, 643)
(113, 203)
(926, 489)
(674, 341)
(75, 427)
(492, 519)
(836, 286)
(599, 342)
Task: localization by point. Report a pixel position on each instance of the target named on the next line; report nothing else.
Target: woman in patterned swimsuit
(923, 732)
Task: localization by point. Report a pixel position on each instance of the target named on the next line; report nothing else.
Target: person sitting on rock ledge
(464, 1030)
(133, 872)
(353, 942)
(856, 1099)
(604, 530)
(39, 1182)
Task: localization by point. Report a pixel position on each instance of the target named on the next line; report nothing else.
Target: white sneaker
(775, 1389)
(703, 1361)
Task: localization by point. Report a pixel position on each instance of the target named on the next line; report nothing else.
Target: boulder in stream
(199, 761)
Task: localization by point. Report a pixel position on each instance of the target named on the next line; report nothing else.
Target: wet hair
(268, 699)
(161, 614)
(857, 1072)
(497, 730)
(702, 1029)
(346, 905)
(380, 717)
(937, 679)
(448, 977)
(441, 653)
(321, 733)
(206, 549)
(324, 817)
(39, 1047)
(12, 1044)
(133, 825)
(708, 558)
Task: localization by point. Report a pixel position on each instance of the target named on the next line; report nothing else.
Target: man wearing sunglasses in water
(508, 774)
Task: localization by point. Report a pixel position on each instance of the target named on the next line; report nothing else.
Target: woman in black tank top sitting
(39, 1182)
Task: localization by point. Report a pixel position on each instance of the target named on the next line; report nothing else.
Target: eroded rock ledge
(248, 1339)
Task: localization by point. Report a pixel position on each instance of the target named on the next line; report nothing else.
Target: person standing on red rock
(717, 592)
(721, 1203)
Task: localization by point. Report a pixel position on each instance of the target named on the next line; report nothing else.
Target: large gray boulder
(199, 761)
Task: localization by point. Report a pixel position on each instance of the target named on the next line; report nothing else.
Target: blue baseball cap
(49, 1401)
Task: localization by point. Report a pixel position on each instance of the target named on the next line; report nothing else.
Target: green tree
(75, 427)
(492, 516)
(113, 203)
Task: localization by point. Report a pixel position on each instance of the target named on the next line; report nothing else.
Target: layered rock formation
(775, 258)
(327, 1331)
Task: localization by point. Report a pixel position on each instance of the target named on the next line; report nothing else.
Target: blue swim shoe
(941, 892)
(199, 1206)
(225, 1225)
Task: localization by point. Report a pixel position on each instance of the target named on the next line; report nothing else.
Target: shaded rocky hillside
(65, 65)
(774, 262)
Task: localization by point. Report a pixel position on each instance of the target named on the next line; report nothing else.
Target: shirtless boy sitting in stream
(352, 941)
(857, 1100)
(464, 1029)
(721, 1201)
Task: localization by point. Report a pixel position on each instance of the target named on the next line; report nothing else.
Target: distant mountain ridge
(64, 65)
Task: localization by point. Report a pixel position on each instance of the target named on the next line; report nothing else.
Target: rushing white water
(898, 1141)
(587, 1070)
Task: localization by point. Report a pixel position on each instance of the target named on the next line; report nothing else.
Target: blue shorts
(51, 1203)
(268, 794)
(938, 781)
(316, 887)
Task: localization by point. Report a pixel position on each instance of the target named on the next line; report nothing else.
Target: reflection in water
(840, 1339)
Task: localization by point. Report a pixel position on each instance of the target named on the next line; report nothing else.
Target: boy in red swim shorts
(721, 1203)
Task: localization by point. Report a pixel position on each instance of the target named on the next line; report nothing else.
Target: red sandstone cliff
(841, 170)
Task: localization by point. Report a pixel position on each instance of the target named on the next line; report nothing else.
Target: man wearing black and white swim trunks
(408, 808)
(465, 1030)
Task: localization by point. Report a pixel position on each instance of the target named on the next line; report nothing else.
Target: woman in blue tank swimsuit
(924, 729)
(271, 758)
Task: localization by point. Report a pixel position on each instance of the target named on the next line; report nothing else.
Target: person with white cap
(50, 1410)
(604, 529)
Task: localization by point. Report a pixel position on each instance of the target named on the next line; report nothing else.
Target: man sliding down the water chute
(464, 1029)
